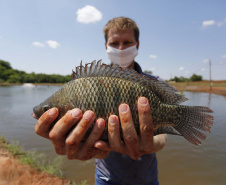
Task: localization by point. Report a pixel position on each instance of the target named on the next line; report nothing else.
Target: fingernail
(123, 108)
(99, 123)
(143, 101)
(97, 145)
(52, 112)
(88, 115)
(112, 120)
(75, 113)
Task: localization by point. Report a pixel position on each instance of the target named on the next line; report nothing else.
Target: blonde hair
(121, 23)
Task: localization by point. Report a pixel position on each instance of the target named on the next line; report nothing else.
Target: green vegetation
(34, 159)
(82, 183)
(10, 75)
(193, 78)
(148, 72)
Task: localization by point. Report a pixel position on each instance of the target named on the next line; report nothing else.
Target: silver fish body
(102, 88)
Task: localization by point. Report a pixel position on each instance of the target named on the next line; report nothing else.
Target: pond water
(179, 162)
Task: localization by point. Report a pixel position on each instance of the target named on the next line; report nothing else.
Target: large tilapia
(102, 88)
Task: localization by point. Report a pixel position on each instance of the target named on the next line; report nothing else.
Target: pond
(179, 162)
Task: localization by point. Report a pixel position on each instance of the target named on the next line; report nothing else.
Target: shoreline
(213, 87)
(214, 90)
(218, 87)
(13, 171)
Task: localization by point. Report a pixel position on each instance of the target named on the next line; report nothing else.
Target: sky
(177, 38)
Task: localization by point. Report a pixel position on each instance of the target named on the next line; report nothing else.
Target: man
(131, 161)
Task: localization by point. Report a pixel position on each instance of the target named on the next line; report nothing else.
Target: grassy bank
(39, 166)
(217, 87)
(33, 159)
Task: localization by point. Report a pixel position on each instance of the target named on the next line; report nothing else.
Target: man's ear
(138, 43)
(105, 45)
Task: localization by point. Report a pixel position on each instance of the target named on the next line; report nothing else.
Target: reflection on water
(179, 162)
(209, 100)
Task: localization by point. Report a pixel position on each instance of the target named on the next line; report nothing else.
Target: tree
(195, 77)
(29, 78)
(5, 70)
(148, 72)
(5, 64)
(179, 79)
(8, 74)
(14, 78)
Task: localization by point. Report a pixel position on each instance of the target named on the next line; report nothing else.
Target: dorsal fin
(165, 92)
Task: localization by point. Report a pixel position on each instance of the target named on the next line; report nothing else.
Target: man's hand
(66, 137)
(133, 145)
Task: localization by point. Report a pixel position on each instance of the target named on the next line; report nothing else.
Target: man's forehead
(115, 33)
(120, 30)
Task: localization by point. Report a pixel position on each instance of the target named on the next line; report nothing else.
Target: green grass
(36, 160)
(33, 159)
(81, 183)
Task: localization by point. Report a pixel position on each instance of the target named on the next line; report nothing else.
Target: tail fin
(194, 119)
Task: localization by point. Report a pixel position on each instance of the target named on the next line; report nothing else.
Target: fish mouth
(34, 116)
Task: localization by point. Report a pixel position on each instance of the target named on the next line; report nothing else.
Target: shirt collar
(137, 67)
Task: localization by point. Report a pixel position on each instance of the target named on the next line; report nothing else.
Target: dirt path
(12, 172)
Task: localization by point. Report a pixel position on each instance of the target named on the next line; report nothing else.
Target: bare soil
(13, 172)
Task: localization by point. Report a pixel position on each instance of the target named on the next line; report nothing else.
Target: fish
(102, 88)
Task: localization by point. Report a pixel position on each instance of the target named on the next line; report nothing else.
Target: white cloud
(153, 56)
(38, 44)
(223, 56)
(205, 60)
(203, 69)
(181, 68)
(88, 14)
(53, 44)
(221, 23)
(208, 23)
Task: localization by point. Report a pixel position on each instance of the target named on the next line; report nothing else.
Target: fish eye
(46, 107)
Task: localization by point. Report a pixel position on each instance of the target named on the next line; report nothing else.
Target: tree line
(193, 78)
(10, 75)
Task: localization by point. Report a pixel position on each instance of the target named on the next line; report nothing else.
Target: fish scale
(102, 88)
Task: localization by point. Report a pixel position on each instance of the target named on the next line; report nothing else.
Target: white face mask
(122, 57)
